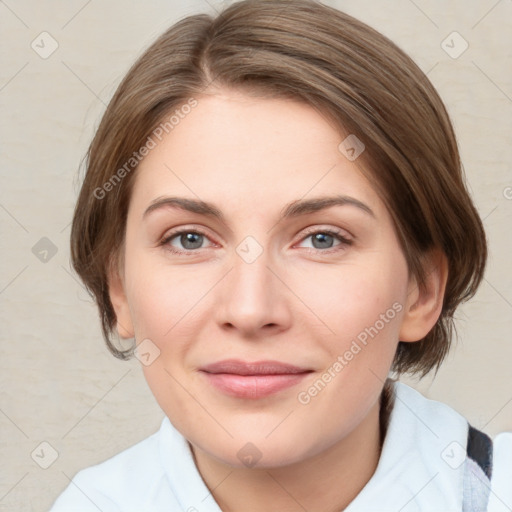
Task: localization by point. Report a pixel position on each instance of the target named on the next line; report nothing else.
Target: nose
(253, 298)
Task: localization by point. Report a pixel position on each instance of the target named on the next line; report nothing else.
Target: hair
(350, 73)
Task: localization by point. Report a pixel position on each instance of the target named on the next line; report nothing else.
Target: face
(257, 278)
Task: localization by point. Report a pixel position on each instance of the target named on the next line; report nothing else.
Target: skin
(295, 303)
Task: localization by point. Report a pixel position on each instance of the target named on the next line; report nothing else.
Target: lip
(253, 380)
(239, 367)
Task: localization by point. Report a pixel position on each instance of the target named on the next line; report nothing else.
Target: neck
(327, 482)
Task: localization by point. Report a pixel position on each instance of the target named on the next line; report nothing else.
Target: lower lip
(253, 386)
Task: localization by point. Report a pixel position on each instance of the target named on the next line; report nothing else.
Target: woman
(274, 209)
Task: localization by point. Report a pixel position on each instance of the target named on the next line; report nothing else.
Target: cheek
(165, 304)
(348, 299)
(362, 308)
(163, 298)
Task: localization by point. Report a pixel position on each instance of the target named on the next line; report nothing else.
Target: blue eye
(324, 239)
(189, 239)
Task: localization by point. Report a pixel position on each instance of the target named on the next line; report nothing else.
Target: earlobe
(117, 294)
(424, 304)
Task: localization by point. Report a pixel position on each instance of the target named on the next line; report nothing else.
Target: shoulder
(485, 465)
(122, 482)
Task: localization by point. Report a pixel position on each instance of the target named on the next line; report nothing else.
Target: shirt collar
(421, 463)
(420, 467)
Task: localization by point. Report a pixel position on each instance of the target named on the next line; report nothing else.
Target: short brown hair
(346, 70)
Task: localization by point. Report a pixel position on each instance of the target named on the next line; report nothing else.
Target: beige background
(59, 384)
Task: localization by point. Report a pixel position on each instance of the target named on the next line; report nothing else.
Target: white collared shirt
(421, 469)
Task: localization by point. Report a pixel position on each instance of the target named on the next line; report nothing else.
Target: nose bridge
(251, 298)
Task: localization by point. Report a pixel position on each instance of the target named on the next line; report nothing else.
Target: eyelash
(190, 252)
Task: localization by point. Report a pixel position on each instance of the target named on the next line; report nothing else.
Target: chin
(259, 453)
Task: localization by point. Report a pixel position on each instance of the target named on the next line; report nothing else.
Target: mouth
(253, 380)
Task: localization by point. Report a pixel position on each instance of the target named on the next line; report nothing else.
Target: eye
(189, 239)
(323, 240)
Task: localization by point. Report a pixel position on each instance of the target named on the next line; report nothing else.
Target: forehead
(232, 148)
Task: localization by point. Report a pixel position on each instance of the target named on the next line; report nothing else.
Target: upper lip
(239, 367)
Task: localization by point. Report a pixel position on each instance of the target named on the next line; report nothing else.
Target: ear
(117, 294)
(424, 304)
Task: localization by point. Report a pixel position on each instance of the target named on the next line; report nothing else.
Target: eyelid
(318, 228)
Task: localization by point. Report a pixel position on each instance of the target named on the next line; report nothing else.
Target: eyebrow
(291, 210)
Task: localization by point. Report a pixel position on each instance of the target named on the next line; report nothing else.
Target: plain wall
(59, 384)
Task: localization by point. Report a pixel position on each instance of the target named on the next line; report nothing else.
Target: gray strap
(477, 471)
